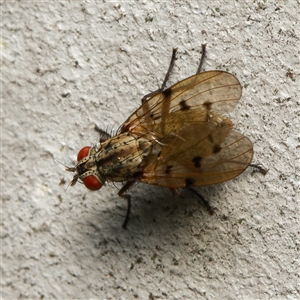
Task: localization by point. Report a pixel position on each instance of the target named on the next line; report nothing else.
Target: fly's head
(86, 169)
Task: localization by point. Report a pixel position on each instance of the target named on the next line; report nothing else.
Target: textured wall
(67, 66)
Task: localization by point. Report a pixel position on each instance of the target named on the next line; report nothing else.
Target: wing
(192, 142)
(201, 154)
(212, 91)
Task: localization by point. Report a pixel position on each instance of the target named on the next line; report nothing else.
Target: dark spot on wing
(196, 160)
(189, 182)
(167, 93)
(216, 149)
(168, 169)
(183, 105)
(207, 105)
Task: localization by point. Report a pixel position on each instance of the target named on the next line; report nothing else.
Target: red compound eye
(92, 183)
(84, 152)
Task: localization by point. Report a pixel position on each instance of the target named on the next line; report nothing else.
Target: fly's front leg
(104, 136)
(122, 194)
(173, 58)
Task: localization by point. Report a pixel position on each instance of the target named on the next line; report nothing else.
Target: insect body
(177, 138)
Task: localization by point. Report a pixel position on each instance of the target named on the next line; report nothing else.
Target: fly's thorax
(122, 157)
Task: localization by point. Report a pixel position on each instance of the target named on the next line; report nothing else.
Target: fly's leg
(203, 200)
(259, 169)
(175, 192)
(173, 58)
(103, 134)
(202, 58)
(122, 194)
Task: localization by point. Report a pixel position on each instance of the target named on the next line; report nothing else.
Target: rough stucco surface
(67, 66)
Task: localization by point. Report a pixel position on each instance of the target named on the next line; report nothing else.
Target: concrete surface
(67, 66)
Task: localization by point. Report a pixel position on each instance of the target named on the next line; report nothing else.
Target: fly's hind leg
(259, 169)
(173, 58)
(203, 200)
(122, 194)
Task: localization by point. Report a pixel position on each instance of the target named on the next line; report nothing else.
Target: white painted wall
(66, 66)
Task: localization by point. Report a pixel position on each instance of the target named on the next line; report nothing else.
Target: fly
(177, 138)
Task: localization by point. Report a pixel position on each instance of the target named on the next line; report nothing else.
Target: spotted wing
(201, 154)
(213, 91)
